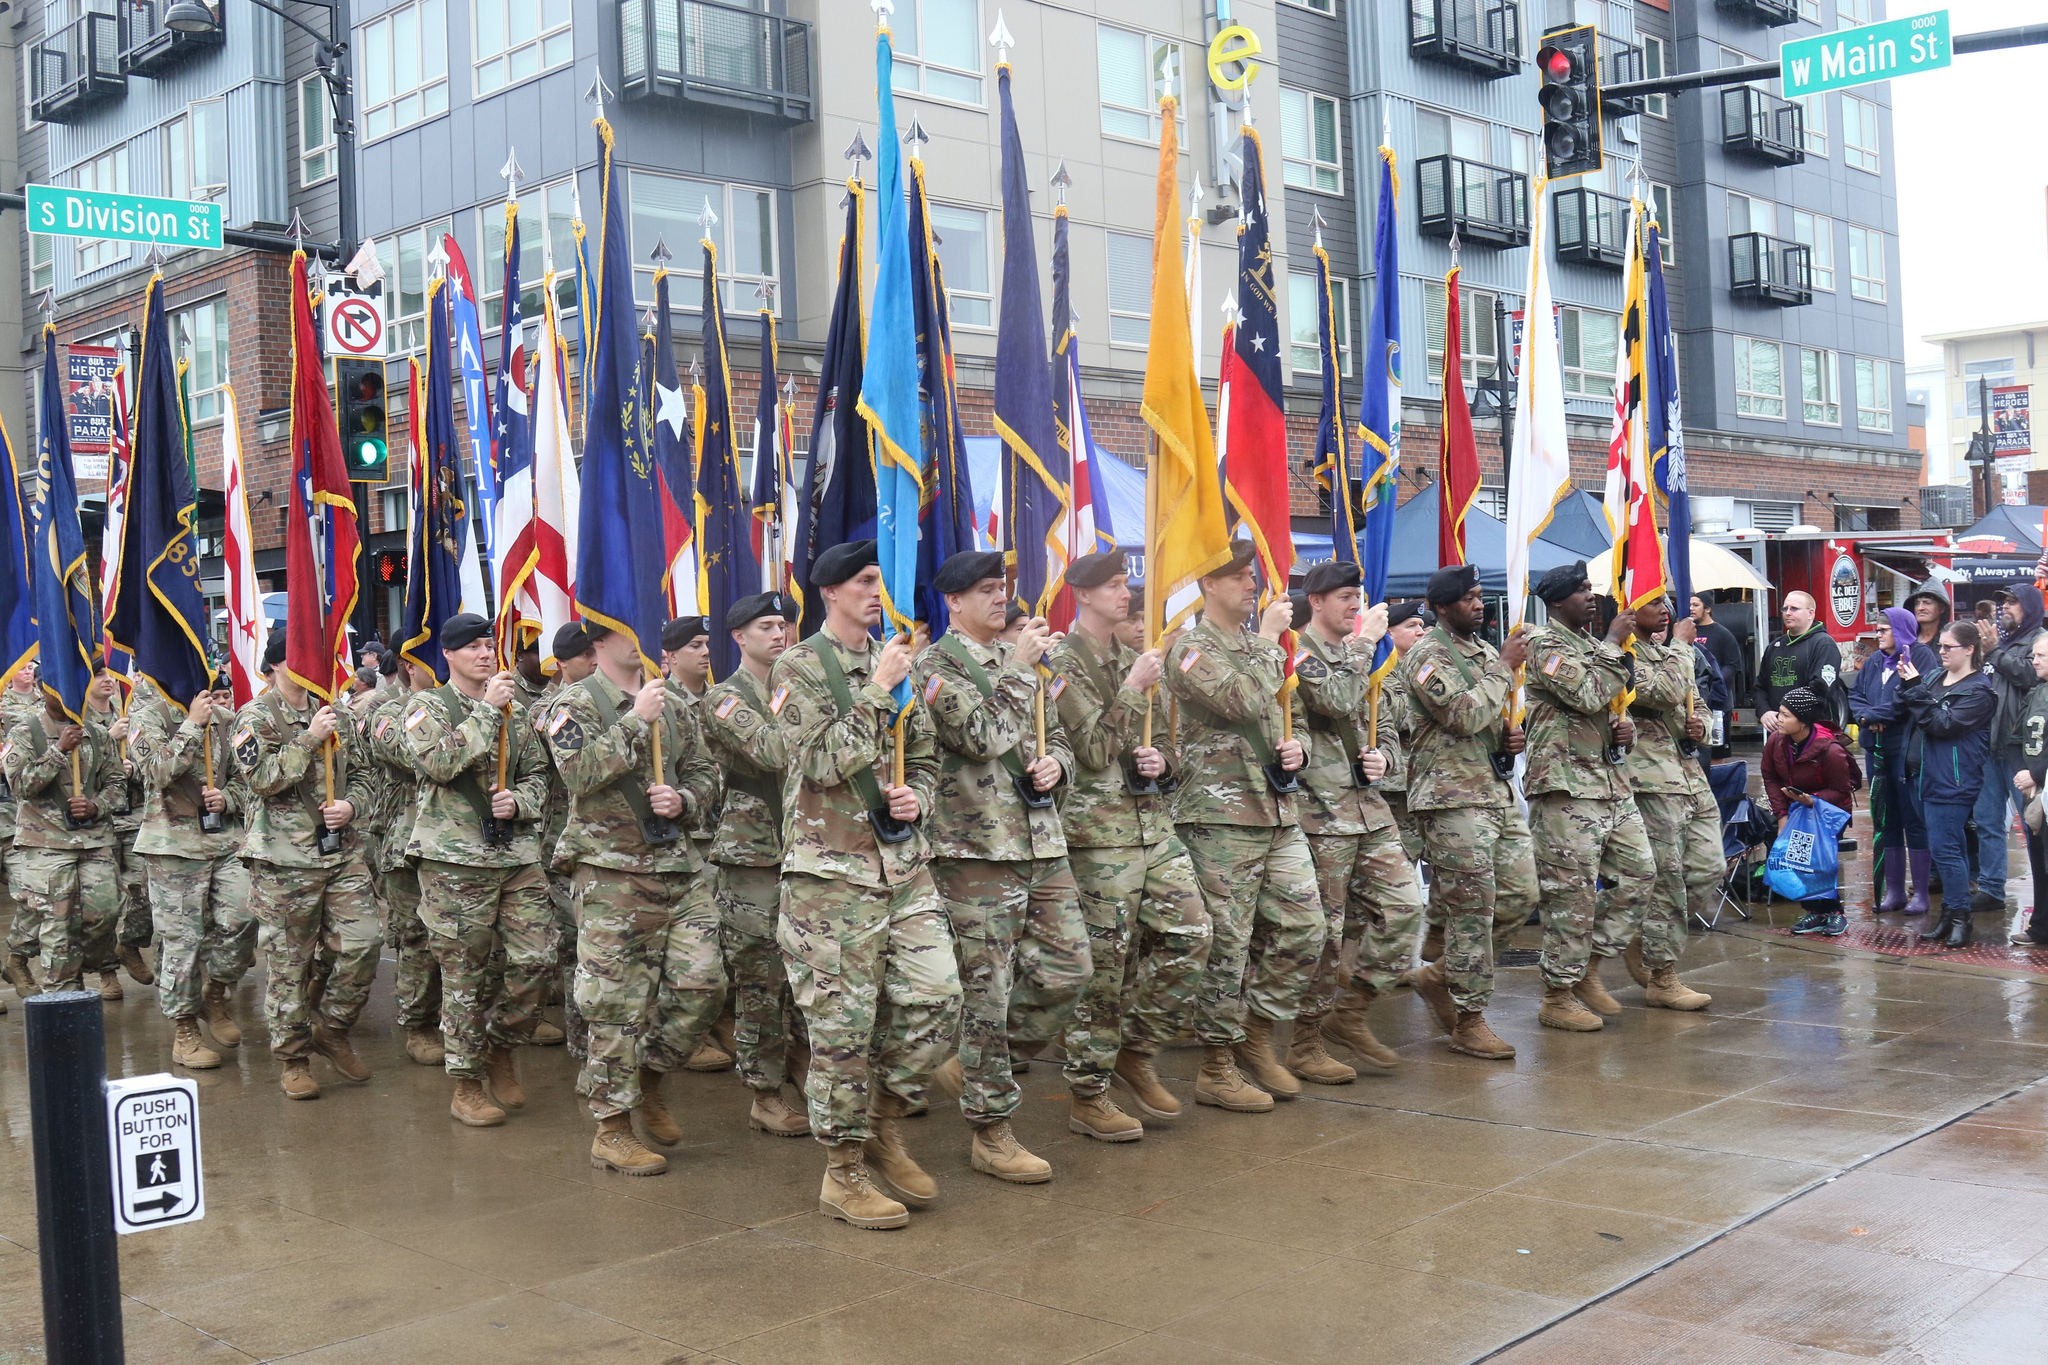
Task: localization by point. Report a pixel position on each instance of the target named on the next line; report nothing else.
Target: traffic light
(1569, 67)
(359, 411)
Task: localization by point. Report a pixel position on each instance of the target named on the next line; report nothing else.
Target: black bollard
(67, 1078)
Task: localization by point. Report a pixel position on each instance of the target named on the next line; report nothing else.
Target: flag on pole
(119, 447)
(244, 592)
(725, 521)
(17, 583)
(1254, 421)
(586, 291)
(1334, 466)
(774, 493)
(1638, 573)
(674, 458)
(1379, 403)
(1665, 427)
(1457, 456)
(513, 540)
(484, 454)
(321, 538)
(67, 610)
(1540, 472)
(441, 562)
(946, 514)
(1089, 527)
(549, 586)
(836, 503)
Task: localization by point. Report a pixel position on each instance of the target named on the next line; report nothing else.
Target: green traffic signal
(360, 415)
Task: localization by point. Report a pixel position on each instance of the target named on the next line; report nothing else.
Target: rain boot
(1923, 874)
(1960, 930)
(1937, 931)
(1894, 898)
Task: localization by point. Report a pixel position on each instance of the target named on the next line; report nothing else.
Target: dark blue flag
(67, 608)
(17, 581)
(667, 415)
(837, 501)
(440, 516)
(946, 512)
(1666, 430)
(725, 514)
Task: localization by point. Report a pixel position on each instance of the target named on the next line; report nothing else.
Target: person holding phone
(1804, 762)
(1952, 713)
(1899, 834)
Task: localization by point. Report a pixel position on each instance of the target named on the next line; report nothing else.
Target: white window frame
(1869, 284)
(1849, 13)
(1311, 341)
(1144, 243)
(406, 332)
(982, 302)
(739, 287)
(1583, 380)
(536, 205)
(1748, 217)
(42, 262)
(208, 373)
(326, 151)
(109, 171)
(1326, 8)
(555, 36)
(1859, 120)
(1809, 10)
(1475, 320)
(1316, 174)
(1879, 372)
(181, 135)
(1753, 402)
(1819, 240)
(1825, 396)
(1814, 138)
(428, 87)
(1656, 106)
(1999, 371)
(1666, 215)
(1175, 83)
(1451, 120)
(909, 76)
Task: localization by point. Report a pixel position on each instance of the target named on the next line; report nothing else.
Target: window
(667, 207)
(1746, 214)
(1304, 335)
(108, 171)
(1866, 264)
(1130, 289)
(196, 152)
(965, 244)
(200, 334)
(1667, 223)
(1656, 106)
(1311, 149)
(1589, 343)
(402, 57)
(546, 217)
(1873, 394)
(404, 258)
(1440, 134)
(1818, 233)
(316, 131)
(1759, 378)
(1319, 6)
(1997, 373)
(516, 39)
(42, 262)
(1853, 12)
(1479, 344)
(1815, 138)
(1859, 134)
(1820, 387)
(1521, 151)
(1809, 10)
(938, 49)
(1134, 71)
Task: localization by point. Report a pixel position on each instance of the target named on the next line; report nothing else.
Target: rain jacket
(1874, 704)
(1951, 736)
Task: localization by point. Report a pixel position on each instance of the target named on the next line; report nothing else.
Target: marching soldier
(1405, 627)
(529, 683)
(1460, 767)
(999, 856)
(648, 978)
(747, 857)
(686, 664)
(1146, 921)
(132, 924)
(418, 982)
(1236, 814)
(1582, 809)
(862, 931)
(17, 701)
(575, 660)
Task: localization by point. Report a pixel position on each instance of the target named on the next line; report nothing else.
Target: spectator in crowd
(1931, 611)
(1899, 835)
(2030, 780)
(1952, 714)
(1804, 656)
(1720, 642)
(1986, 614)
(2011, 674)
(1804, 762)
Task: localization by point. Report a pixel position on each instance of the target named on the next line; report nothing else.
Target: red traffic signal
(1570, 97)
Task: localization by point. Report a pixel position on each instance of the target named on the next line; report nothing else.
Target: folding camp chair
(1746, 835)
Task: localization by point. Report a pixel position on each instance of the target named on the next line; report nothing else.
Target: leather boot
(851, 1197)
(776, 1116)
(297, 1080)
(1562, 1009)
(336, 1048)
(1134, 1072)
(501, 1073)
(1922, 864)
(1893, 899)
(1667, 992)
(1346, 1026)
(1433, 944)
(1310, 1060)
(709, 1056)
(654, 1116)
(1938, 930)
(1960, 930)
(188, 1049)
(615, 1148)
(995, 1151)
(219, 1010)
(1430, 983)
(890, 1162)
(1632, 958)
(1592, 994)
(1255, 1058)
(21, 974)
(110, 984)
(1097, 1116)
(950, 1079)
(424, 1046)
(1475, 1038)
(1221, 1084)
(472, 1106)
(130, 958)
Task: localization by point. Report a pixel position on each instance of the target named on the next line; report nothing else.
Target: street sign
(1858, 56)
(153, 1142)
(355, 324)
(62, 212)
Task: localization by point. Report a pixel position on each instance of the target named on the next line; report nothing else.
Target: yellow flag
(1184, 532)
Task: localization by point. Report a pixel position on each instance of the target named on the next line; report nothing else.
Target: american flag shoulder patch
(561, 719)
(415, 716)
(1424, 674)
(1190, 659)
(1552, 664)
(1056, 686)
(725, 708)
(781, 696)
(383, 726)
(931, 688)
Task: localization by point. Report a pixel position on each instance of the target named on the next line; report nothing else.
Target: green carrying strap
(762, 788)
(863, 779)
(1458, 661)
(1342, 727)
(629, 789)
(469, 783)
(979, 677)
(1252, 733)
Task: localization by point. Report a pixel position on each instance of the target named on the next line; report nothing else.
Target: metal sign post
(74, 1192)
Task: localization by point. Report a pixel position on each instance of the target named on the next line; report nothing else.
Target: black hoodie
(2011, 667)
(1810, 660)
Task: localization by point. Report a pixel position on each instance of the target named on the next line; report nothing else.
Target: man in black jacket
(1804, 656)
(2010, 667)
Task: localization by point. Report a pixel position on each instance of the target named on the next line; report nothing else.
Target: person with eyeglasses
(1945, 760)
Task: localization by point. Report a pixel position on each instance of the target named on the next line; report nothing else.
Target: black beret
(463, 628)
(1402, 611)
(749, 609)
(387, 662)
(1450, 583)
(964, 568)
(1242, 552)
(273, 649)
(1302, 610)
(1562, 581)
(1012, 614)
(841, 562)
(1094, 570)
(571, 640)
(1331, 575)
(681, 631)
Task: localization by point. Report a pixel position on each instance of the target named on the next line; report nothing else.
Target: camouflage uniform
(1397, 726)
(417, 984)
(1482, 864)
(65, 879)
(648, 977)
(1371, 897)
(1147, 923)
(133, 919)
(747, 854)
(1582, 810)
(305, 901)
(1677, 805)
(480, 902)
(554, 819)
(13, 706)
(198, 886)
(703, 826)
(862, 930)
(1250, 855)
(1000, 866)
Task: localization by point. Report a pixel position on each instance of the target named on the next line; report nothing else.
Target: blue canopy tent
(1580, 525)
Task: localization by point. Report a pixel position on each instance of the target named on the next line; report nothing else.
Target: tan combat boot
(615, 1148)
(1220, 1083)
(1429, 983)
(851, 1197)
(188, 1049)
(1346, 1026)
(219, 1012)
(297, 1080)
(1308, 1059)
(1592, 994)
(1433, 944)
(21, 974)
(1255, 1058)
(110, 984)
(890, 1162)
(950, 1079)
(776, 1116)
(546, 1035)
(1562, 1009)
(1475, 1038)
(654, 1116)
(131, 960)
(472, 1105)
(1632, 958)
(995, 1151)
(424, 1046)
(1134, 1072)
(501, 1073)
(340, 1053)
(1667, 992)
(709, 1056)
(1097, 1116)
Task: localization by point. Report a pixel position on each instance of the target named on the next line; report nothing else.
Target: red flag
(1254, 420)
(320, 538)
(1457, 456)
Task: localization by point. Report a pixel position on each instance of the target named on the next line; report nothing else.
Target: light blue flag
(1379, 405)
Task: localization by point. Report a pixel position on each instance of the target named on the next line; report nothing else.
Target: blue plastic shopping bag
(1806, 858)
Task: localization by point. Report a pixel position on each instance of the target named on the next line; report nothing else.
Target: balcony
(1592, 227)
(1766, 13)
(1479, 35)
(76, 69)
(1621, 62)
(1770, 270)
(716, 55)
(147, 47)
(1477, 202)
(1763, 126)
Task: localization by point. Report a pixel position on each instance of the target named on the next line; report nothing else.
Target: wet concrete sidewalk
(1436, 1215)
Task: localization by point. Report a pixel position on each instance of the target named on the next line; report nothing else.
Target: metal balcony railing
(1592, 227)
(711, 53)
(1770, 270)
(1620, 61)
(76, 68)
(147, 47)
(1480, 35)
(1769, 13)
(1480, 203)
(1762, 125)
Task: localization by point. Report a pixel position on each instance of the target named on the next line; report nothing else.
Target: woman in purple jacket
(1886, 728)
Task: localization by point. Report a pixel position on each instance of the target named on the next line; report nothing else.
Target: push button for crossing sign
(153, 1138)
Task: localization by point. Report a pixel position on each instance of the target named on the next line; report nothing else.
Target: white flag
(557, 491)
(246, 636)
(1541, 473)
